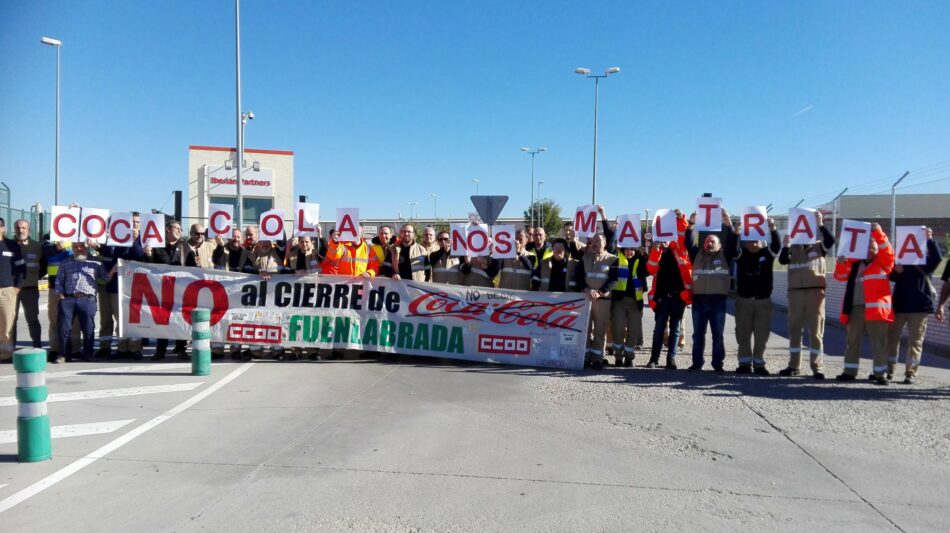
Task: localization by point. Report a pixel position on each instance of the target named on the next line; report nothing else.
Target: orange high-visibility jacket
(678, 249)
(877, 288)
(352, 259)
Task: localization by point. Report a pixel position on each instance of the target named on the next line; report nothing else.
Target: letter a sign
(348, 224)
(911, 245)
(802, 226)
(628, 231)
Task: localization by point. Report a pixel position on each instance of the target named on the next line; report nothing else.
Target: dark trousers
(667, 308)
(709, 310)
(29, 300)
(161, 346)
(84, 309)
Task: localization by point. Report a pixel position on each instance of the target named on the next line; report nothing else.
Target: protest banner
(120, 230)
(628, 231)
(855, 238)
(220, 217)
(754, 224)
(348, 224)
(585, 221)
(664, 226)
(336, 312)
(802, 226)
(64, 224)
(708, 214)
(307, 219)
(911, 245)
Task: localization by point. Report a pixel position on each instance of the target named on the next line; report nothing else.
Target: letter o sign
(272, 225)
(93, 227)
(482, 236)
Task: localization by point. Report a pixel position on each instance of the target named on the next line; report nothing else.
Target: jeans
(85, 310)
(667, 308)
(709, 309)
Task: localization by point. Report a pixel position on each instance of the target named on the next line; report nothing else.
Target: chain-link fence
(39, 223)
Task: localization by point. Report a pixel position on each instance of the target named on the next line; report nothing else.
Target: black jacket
(912, 293)
(754, 270)
(12, 266)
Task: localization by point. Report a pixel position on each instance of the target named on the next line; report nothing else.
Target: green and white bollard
(32, 424)
(200, 342)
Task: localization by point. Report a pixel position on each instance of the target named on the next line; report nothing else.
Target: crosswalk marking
(73, 430)
(108, 393)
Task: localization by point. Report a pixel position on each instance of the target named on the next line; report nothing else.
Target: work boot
(881, 380)
(695, 367)
(819, 375)
(597, 364)
(618, 361)
(653, 362)
(791, 373)
(845, 377)
(762, 371)
(744, 369)
(670, 364)
(628, 362)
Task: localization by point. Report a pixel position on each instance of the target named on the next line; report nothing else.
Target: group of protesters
(669, 277)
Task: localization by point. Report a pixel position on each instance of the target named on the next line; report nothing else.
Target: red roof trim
(246, 150)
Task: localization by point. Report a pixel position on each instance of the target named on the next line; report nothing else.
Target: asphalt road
(416, 444)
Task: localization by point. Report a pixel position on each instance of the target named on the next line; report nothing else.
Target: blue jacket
(912, 293)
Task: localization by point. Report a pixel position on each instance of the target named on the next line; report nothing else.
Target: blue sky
(386, 102)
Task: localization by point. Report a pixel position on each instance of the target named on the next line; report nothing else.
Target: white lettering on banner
(94, 225)
(219, 220)
(585, 221)
(348, 224)
(272, 225)
(708, 214)
(152, 230)
(64, 224)
(628, 231)
(754, 224)
(120, 230)
(306, 219)
(392, 316)
(223, 182)
(911, 245)
(802, 226)
(855, 239)
(664, 226)
(503, 241)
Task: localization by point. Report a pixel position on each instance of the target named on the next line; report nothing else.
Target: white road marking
(79, 464)
(73, 430)
(108, 393)
(4, 485)
(112, 370)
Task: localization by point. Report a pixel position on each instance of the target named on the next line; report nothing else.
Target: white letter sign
(855, 238)
(503, 241)
(348, 224)
(459, 246)
(64, 225)
(120, 230)
(802, 226)
(708, 214)
(272, 225)
(628, 231)
(911, 245)
(306, 219)
(219, 220)
(754, 224)
(477, 240)
(94, 224)
(585, 221)
(664, 225)
(152, 231)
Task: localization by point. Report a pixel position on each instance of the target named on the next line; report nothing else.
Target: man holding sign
(804, 253)
(914, 297)
(867, 303)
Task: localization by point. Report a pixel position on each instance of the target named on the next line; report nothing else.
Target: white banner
(664, 226)
(585, 221)
(708, 214)
(220, 220)
(503, 241)
(755, 225)
(802, 226)
(406, 317)
(628, 231)
(272, 225)
(94, 225)
(64, 224)
(348, 224)
(911, 245)
(855, 238)
(307, 219)
(152, 230)
(120, 230)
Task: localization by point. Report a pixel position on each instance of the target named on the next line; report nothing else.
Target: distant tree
(549, 212)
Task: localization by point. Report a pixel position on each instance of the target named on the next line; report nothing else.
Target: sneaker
(790, 372)
(59, 360)
(597, 364)
(743, 369)
(818, 375)
(910, 380)
(881, 380)
(628, 362)
(890, 376)
(845, 377)
(762, 371)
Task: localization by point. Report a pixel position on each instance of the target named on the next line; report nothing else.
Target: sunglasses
(442, 239)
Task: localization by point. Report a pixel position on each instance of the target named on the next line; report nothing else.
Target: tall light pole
(475, 181)
(834, 221)
(435, 207)
(894, 208)
(411, 206)
(533, 153)
(586, 73)
(540, 204)
(799, 203)
(58, 44)
(240, 116)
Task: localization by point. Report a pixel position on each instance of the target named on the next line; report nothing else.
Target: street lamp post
(58, 44)
(411, 206)
(586, 73)
(238, 114)
(435, 207)
(475, 181)
(834, 221)
(533, 153)
(540, 205)
(894, 207)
